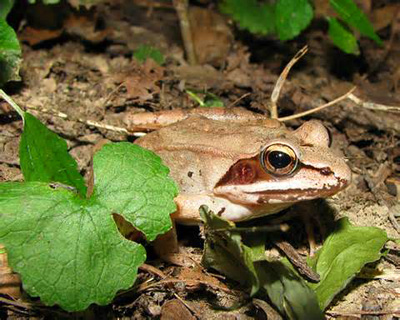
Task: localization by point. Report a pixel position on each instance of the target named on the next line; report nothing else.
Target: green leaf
(144, 52)
(342, 256)
(292, 17)
(44, 156)
(353, 16)
(251, 15)
(225, 252)
(210, 99)
(68, 249)
(342, 37)
(133, 182)
(5, 8)
(10, 54)
(287, 291)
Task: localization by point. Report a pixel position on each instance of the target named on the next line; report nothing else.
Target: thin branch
(281, 80)
(181, 7)
(392, 217)
(91, 123)
(373, 105)
(15, 303)
(191, 310)
(362, 312)
(238, 99)
(326, 105)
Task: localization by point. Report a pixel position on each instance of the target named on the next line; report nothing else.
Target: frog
(243, 166)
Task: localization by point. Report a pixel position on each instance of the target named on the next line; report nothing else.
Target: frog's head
(287, 169)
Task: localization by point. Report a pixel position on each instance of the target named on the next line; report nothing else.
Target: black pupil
(279, 160)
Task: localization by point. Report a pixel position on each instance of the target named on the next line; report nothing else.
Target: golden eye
(279, 159)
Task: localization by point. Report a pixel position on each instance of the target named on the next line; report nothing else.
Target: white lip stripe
(285, 186)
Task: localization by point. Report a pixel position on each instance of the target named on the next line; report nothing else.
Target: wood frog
(246, 167)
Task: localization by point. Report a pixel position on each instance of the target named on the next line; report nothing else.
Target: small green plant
(65, 243)
(209, 100)
(347, 249)
(10, 50)
(288, 18)
(144, 52)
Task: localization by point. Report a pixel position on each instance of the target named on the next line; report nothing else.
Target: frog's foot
(10, 283)
(167, 248)
(309, 221)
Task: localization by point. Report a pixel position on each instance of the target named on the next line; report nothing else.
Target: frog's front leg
(148, 121)
(167, 248)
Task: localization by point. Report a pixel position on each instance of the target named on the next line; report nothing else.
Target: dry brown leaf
(383, 17)
(79, 25)
(212, 37)
(141, 80)
(85, 27)
(175, 310)
(34, 36)
(194, 277)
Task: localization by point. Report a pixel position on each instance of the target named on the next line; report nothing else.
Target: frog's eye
(279, 159)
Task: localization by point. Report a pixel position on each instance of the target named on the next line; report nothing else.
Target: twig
(297, 260)
(64, 116)
(181, 7)
(392, 212)
(326, 105)
(362, 312)
(373, 105)
(23, 305)
(91, 123)
(238, 99)
(111, 94)
(150, 269)
(281, 80)
(191, 282)
(186, 305)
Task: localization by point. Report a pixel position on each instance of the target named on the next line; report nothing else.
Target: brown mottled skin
(202, 154)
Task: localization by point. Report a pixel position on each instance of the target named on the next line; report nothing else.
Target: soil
(84, 70)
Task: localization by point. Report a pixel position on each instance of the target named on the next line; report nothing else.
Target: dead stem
(181, 7)
(358, 313)
(281, 80)
(238, 99)
(193, 312)
(373, 105)
(151, 269)
(326, 105)
(23, 305)
(393, 211)
(191, 282)
(86, 122)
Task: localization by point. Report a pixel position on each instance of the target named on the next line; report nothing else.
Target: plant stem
(13, 105)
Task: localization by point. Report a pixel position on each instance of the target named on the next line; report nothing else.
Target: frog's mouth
(281, 192)
(293, 195)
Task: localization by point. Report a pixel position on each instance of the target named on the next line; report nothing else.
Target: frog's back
(199, 150)
(214, 135)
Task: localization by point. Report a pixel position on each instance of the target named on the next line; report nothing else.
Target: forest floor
(75, 74)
